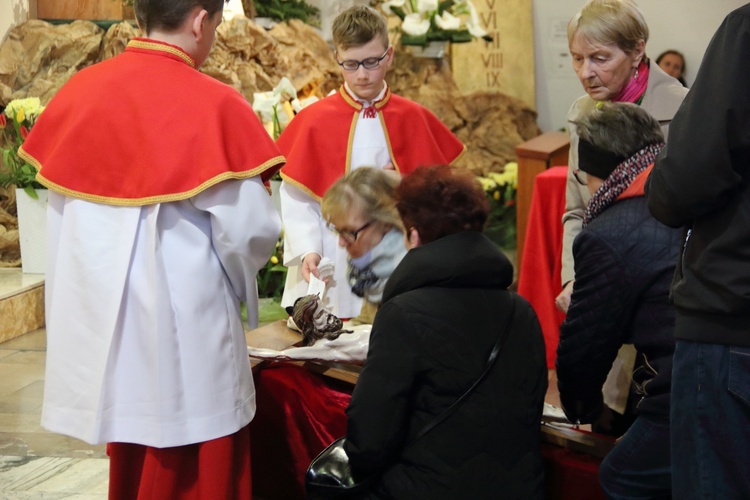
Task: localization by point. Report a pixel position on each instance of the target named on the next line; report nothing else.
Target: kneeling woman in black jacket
(443, 310)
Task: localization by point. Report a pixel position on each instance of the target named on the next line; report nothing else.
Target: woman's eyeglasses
(348, 235)
(369, 63)
(577, 174)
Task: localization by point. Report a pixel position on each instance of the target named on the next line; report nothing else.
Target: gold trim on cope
(148, 200)
(142, 44)
(349, 99)
(301, 187)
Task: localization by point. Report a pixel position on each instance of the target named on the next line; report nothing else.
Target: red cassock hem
(219, 468)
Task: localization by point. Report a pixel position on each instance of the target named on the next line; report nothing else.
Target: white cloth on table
(347, 348)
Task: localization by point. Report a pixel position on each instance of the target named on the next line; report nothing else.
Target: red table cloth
(539, 279)
(299, 413)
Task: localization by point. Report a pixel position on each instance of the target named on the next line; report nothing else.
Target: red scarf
(636, 87)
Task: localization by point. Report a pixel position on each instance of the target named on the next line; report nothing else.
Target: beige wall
(685, 25)
(14, 12)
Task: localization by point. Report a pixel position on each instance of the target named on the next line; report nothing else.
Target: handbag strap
(488, 366)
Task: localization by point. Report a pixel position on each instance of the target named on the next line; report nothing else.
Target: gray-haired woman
(607, 40)
(625, 260)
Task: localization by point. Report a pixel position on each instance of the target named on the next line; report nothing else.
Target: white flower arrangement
(269, 104)
(424, 21)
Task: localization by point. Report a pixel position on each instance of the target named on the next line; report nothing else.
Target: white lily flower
(414, 25)
(300, 104)
(473, 24)
(475, 30)
(296, 105)
(232, 9)
(265, 104)
(427, 6)
(447, 21)
(285, 90)
(386, 6)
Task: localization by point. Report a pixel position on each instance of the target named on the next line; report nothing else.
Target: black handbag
(329, 474)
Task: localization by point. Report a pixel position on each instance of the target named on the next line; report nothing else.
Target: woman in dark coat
(443, 309)
(625, 260)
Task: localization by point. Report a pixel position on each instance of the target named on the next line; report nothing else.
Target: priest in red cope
(158, 224)
(363, 124)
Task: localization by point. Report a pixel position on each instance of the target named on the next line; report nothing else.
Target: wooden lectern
(534, 157)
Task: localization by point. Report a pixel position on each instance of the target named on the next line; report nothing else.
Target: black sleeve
(379, 409)
(709, 139)
(594, 329)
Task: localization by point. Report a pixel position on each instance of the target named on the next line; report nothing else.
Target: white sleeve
(244, 230)
(302, 224)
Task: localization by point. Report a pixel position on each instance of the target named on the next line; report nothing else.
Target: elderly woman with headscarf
(625, 260)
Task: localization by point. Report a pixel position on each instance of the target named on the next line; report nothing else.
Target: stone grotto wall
(37, 58)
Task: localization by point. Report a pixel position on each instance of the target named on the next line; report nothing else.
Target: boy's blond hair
(357, 26)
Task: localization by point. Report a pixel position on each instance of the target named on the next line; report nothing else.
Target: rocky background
(37, 58)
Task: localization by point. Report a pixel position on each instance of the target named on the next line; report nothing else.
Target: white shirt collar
(364, 102)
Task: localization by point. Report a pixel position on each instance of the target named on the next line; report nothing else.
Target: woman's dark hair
(169, 14)
(672, 52)
(441, 200)
(679, 54)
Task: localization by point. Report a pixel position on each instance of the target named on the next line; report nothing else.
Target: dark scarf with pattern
(618, 181)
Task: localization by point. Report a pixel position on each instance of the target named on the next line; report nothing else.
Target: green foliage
(284, 10)
(500, 189)
(454, 36)
(272, 276)
(15, 122)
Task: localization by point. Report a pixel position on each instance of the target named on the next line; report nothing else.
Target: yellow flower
(274, 260)
(487, 183)
(27, 109)
(496, 195)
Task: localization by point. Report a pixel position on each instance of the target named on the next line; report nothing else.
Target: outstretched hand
(310, 266)
(562, 301)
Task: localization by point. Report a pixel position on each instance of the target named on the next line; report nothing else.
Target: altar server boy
(362, 124)
(158, 222)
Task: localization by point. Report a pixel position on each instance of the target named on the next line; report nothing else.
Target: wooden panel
(534, 157)
(83, 9)
(506, 63)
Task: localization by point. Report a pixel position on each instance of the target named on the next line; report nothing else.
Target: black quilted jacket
(443, 308)
(624, 263)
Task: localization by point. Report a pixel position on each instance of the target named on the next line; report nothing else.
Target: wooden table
(278, 337)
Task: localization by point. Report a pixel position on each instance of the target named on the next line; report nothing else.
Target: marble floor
(34, 463)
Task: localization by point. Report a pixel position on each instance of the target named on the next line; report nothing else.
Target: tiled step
(21, 303)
